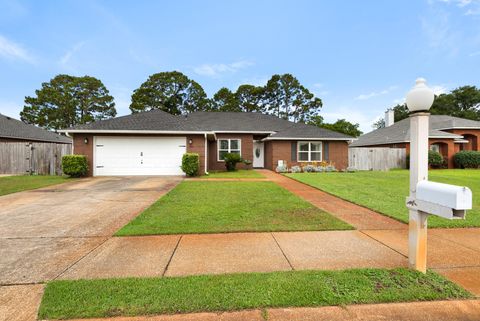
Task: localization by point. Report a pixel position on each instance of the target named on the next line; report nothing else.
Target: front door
(258, 155)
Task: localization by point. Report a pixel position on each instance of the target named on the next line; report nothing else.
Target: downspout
(206, 154)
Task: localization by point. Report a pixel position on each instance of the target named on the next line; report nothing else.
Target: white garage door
(115, 156)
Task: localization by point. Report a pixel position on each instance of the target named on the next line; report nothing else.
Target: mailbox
(444, 200)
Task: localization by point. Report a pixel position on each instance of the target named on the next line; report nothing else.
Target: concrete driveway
(45, 231)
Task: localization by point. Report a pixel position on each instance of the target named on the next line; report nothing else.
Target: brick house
(153, 142)
(448, 135)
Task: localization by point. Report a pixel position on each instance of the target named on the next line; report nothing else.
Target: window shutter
(325, 151)
(294, 151)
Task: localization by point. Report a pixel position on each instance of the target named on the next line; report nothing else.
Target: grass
(385, 192)
(13, 184)
(216, 207)
(144, 296)
(241, 173)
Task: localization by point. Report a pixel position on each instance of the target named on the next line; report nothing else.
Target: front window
(309, 151)
(435, 148)
(228, 146)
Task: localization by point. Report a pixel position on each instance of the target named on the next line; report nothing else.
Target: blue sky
(360, 57)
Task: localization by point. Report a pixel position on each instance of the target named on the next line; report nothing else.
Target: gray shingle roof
(15, 129)
(399, 132)
(157, 120)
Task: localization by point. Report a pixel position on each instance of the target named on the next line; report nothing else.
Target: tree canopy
(251, 98)
(286, 98)
(172, 92)
(341, 126)
(66, 101)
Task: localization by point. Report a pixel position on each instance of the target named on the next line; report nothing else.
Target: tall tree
(172, 92)
(461, 102)
(379, 124)
(286, 98)
(341, 126)
(250, 98)
(67, 101)
(225, 100)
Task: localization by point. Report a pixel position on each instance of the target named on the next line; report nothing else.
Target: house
(153, 142)
(448, 135)
(12, 130)
(27, 149)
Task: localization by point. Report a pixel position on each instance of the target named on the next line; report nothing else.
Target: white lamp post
(419, 100)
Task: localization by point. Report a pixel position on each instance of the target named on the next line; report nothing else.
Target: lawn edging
(67, 299)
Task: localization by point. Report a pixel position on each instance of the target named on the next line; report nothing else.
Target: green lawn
(13, 184)
(215, 207)
(228, 292)
(385, 192)
(242, 173)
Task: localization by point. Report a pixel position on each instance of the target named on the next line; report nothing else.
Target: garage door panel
(139, 155)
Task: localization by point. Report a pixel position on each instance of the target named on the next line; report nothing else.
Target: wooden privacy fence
(32, 158)
(376, 158)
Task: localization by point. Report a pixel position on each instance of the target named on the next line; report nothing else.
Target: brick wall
(197, 146)
(246, 150)
(80, 148)
(276, 150)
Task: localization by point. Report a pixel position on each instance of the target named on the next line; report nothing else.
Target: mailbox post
(426, 198)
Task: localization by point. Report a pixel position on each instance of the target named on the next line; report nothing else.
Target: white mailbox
(448, 201)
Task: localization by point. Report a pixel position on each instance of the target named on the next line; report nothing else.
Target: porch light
(190, 142)
(420, 98)
(85, 140)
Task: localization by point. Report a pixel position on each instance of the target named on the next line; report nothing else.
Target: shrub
(296, 169)
(435, 159)
(247, 162)
(190, 164)
(330, 168)
(309, 168)
(231, 161)
(75, 165)
(467, 159)
(281, 169)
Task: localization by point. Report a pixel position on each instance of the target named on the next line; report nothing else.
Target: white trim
(465, 127)
(307, 139)
(206, 154)
(309, 152)
(229, 149)
(463, 141)
(109, 131)
(94, 152)
(244, 132)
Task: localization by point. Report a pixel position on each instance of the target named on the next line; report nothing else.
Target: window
(435, 148)
(309, 151)
(228, 146)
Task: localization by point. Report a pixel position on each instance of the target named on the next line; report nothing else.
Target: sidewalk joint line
(391, 248)
(171, 257)
(281, 250)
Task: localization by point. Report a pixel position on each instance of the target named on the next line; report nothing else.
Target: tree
(172, 92)
(286, 98)
(66, 101)
(250, 98)
(400, 112)
(461, 102)
(379, 124)
(346, 127)
(341, 126)
(225, 100)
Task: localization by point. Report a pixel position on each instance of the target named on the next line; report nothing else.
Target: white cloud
(473, 54)
(375, 93)
(470, 7)
(439, 89)
(255, 81)
(215, 70)
(65, 59)
(13, 51)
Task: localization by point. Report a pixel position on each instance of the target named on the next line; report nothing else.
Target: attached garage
(135, 155)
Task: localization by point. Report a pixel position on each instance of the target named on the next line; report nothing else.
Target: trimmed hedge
(467, 159)
(231, 161)
(191, 164)
(75, 165)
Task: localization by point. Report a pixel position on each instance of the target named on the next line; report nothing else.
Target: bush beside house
(75, 165)
(231, 161)
(190, 164)
(467, 159)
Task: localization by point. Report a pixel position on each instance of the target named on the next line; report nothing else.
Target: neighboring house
(448, 135)
(12, 130)
(27, 149)
(153, 142)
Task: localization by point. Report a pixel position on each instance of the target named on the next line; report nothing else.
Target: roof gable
(16, 129)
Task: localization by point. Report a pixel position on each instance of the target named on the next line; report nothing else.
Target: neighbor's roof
(399, 132)
(15, 129)
(159, 121)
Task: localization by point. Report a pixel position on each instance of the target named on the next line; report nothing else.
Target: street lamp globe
(420, 97)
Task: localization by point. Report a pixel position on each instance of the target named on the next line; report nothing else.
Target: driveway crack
(171, 257)
(281, 250)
